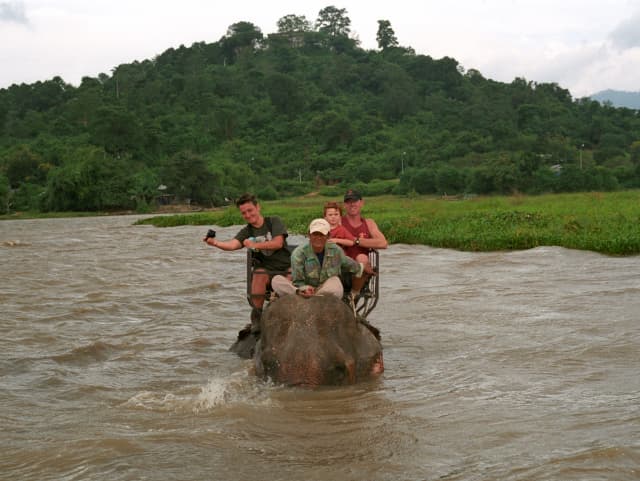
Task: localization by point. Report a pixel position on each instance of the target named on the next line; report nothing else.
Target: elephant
(310, 342)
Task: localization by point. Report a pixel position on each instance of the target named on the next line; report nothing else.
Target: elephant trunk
(308, 369)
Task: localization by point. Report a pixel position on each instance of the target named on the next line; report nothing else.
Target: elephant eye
(270, 365)
(339, 373)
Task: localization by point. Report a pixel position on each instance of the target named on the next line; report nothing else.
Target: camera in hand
(210, 234)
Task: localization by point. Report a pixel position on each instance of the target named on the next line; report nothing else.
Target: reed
(602, 222)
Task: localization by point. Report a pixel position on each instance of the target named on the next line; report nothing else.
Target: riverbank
(160, 210)
(599, 222)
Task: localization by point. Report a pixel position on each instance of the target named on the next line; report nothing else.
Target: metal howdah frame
(365, 302)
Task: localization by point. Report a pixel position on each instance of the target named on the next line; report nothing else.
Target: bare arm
(377, 239)
(342, 242)
(230, 245)
(341, 236)
(276, 243)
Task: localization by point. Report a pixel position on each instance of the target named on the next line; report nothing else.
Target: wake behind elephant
(315, 341)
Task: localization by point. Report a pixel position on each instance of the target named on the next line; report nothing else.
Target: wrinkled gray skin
(313, 342)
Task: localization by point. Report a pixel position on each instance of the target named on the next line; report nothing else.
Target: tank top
(361, 231)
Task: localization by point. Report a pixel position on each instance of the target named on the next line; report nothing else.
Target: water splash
(237, 389)
(241, 388)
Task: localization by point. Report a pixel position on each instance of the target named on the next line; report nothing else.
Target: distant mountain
(618, 98)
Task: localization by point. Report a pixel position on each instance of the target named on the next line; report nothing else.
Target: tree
(386, 37)
(46, 95)
(86, 102)
(240, 37)
(291, 33)
(449, 180)
(422, 181)
(635, 152)
(333, 22)
(90, 180)
(5, 194)
(23, 165)
(612, 145)
(286, 94)
(144, 188)
(186, 175)
(399, 97)
(226, 118)
(116, 129)
(331, 129)
(293, 24)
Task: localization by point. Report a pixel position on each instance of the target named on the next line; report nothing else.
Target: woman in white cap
(316, 266)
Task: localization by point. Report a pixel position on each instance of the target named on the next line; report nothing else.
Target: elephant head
(315, 341)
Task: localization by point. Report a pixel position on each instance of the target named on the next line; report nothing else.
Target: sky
(584, 46)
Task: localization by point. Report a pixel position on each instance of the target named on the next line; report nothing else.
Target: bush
(287, 188)
(5, 194)
(28, 197)
(267, 193)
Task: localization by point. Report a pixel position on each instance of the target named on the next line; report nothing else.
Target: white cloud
(13, 12)
(627, 34)
(583, 46)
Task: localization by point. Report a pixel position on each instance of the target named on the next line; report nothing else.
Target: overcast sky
(583, 45)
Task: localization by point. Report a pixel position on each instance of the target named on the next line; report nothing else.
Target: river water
(499, 366)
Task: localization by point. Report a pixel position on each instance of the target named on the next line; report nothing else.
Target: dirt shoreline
(160, 210)
(182, 209)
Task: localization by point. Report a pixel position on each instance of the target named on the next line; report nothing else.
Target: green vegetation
(22, 215)
(601, 222)
(296, 111)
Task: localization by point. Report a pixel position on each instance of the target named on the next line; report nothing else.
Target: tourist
(316, 266)
(267, 238)
(366, 235)
(338, 234)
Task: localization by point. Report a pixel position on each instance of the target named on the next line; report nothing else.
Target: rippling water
(499, 366)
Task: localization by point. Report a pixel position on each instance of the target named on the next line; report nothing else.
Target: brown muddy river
(499, 366)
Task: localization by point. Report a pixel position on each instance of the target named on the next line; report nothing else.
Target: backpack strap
(267, 220)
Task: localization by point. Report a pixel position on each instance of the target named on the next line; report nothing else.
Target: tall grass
(602, 222)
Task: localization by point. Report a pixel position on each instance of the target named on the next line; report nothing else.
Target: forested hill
(301, 109)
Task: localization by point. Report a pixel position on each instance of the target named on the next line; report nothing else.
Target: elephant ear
(372, 329)
(245, 343)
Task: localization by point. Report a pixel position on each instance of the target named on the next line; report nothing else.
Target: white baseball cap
(319, 225)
